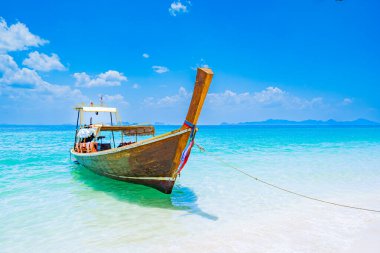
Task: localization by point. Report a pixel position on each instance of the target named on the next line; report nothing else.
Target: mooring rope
(281, 188)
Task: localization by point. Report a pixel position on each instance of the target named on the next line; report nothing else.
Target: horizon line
(267, 122)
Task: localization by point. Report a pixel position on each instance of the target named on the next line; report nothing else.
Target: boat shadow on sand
(182, 198)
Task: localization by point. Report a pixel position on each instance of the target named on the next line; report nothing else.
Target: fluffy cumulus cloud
(177, 7)
(14, 76)
(17, 37)
(269, 97)
(145, 55)
(160, 69)
(23, 85)
(43, 62)
(22, 82)
(109, 78)
(181, 96)
(7, 63)
(34, 99)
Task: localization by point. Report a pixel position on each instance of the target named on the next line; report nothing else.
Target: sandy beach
(368, 240)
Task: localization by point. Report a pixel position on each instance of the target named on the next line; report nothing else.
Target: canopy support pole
(113, 137)
(76, 130)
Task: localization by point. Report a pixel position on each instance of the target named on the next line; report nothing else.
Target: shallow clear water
(49, 204)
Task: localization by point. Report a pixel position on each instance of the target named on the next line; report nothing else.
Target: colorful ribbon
(186, 152)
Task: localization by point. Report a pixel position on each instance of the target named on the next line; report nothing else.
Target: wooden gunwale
(134, 145)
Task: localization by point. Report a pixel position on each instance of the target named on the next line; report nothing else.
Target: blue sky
(296, 60)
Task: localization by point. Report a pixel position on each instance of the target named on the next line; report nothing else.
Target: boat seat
(125, 144)
(104, 146)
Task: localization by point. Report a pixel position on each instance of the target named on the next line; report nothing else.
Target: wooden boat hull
(153, 162)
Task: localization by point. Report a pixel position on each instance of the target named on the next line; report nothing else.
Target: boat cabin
(93, 134)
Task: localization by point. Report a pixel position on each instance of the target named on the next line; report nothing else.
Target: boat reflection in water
(182, 198)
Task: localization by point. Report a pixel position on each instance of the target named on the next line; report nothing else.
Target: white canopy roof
(96, 109)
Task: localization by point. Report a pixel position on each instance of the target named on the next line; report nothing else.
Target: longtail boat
(155, 161)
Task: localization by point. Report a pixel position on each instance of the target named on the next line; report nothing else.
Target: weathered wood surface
(202, 83)
(130, 130)
(152, 162)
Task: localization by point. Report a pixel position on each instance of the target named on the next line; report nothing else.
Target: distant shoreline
(330, 122)
(269, 122)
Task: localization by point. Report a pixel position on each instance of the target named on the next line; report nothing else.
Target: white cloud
(117, 98)
(228, 97)
(347, 101)
(64, 91)
(181, 96)
(7, 63)
(178, 7)
(32, 98)
(145, 55)
(43, 62)
(201, 64)
(26, 83)
(22, 78)
(269, 97)
(160, 69)
(14, 76)
(109, 78)
(135, 86)
(17, 37)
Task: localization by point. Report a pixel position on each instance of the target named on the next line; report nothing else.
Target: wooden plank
(138, 129)
(202, 83)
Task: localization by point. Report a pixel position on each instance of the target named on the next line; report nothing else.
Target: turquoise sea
(50, 204)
